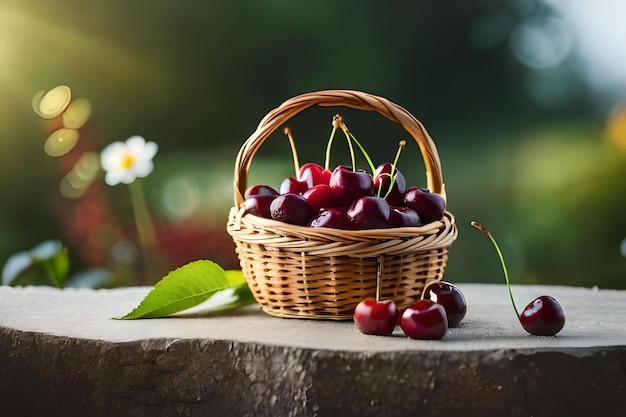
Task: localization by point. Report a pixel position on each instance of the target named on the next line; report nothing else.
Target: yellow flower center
(127, 161)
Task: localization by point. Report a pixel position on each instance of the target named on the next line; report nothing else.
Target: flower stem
(143, 221)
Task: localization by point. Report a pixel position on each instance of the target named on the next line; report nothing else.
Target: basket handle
(339, 98)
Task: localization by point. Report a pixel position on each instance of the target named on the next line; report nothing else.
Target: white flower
(124, 162)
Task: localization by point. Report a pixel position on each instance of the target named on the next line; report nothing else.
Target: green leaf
(184, 288)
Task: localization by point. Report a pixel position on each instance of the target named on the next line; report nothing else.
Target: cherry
(291, 185)
(544, 315)
(348, 185)
(259, 205)
(259, 190)
(313, 174)
(369, 213)
(424, 319)
(389, 183)
(450, 298)
(291, 208)
(429, 206)
(375, 316)
(403, 217)
(320, 196)
(335, 217)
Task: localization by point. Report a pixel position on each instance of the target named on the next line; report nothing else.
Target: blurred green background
(524, 100)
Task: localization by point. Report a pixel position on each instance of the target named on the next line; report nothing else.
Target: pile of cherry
(444, 306)
(345, 198)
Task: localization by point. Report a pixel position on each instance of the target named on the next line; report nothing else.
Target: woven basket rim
(323, 241)
(285, 228)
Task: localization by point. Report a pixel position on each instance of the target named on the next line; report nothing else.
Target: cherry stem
(338, 122)
(329, 146)
(350, 137)
(379, 276)
(393, 174)
(401, 146)
(296, 162)
(506, 274)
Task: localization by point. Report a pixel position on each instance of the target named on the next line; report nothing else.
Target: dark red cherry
(383, 179)
(291, 185)
(403, 217)
(348, 185)
(429, 206)
(544, 316)
(424, 319)
(314, 174)
(320, 196)
(375, 317)
(369, 213)
(335, 217)
(291, 208)
(451, 299)
(259, 190)
(259, 205)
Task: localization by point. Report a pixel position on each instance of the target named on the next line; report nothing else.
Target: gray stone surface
(62, 353)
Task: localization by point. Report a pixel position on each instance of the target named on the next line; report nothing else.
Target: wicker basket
(323, 273)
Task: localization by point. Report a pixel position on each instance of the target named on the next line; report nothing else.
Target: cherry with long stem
(544, 315)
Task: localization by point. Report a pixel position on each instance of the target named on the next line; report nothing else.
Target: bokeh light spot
(181, 197)
(54, 102)
(67, 190)
(541, 42)
(61, 142)
(36, 103)
(616, 127)
(124, 252)
(75, 182)
(87, 166)
(77, 113)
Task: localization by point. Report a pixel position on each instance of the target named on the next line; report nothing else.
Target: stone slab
(62, 353)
